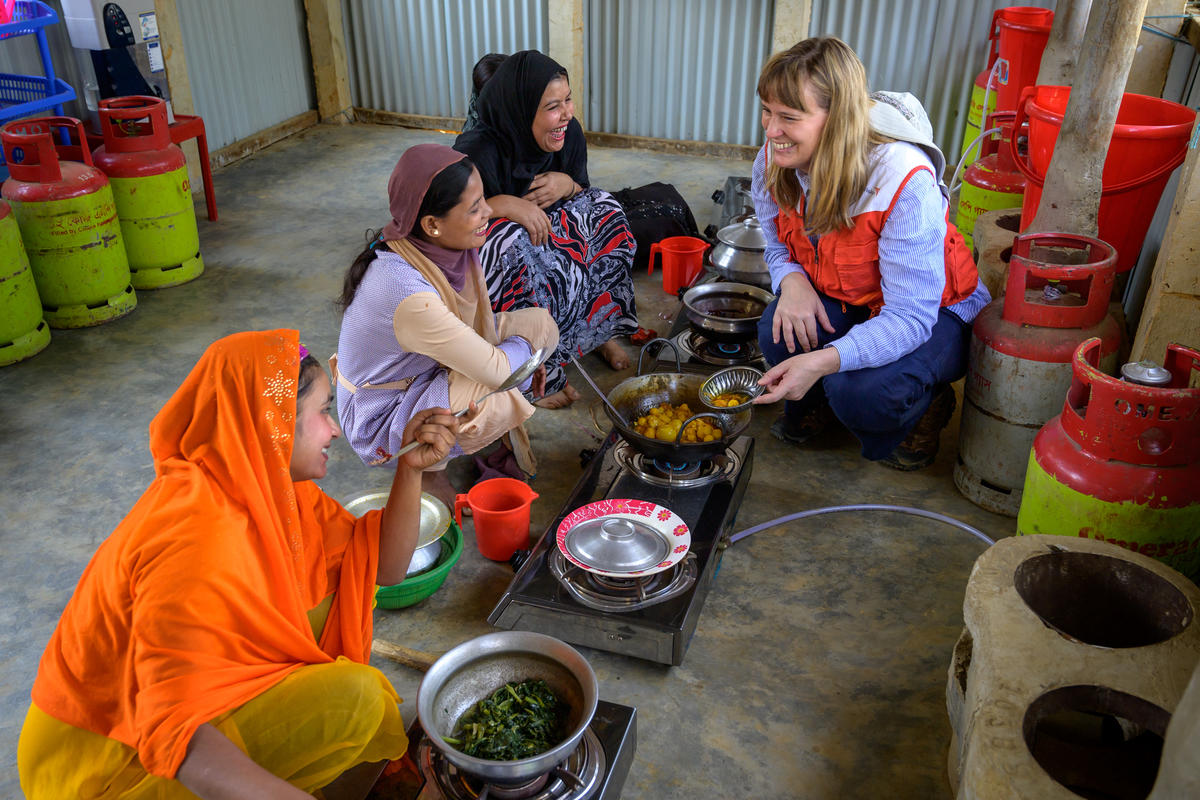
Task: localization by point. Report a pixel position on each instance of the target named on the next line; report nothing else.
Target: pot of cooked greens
(507, 706)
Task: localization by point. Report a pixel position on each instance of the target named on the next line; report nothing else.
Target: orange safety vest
(845, 263)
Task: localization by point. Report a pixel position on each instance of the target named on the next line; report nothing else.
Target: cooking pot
(478, 667)
(725, 311)
(634, 397)
(738, 253)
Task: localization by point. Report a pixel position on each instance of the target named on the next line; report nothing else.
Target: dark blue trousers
(879, 405)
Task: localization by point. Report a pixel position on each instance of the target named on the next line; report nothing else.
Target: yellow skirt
(308, 729)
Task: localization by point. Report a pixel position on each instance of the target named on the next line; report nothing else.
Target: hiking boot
(800, 430)
(920, 448)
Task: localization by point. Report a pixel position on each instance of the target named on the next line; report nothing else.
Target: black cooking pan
(634, 397)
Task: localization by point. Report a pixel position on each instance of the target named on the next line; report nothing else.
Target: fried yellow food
(729, 399)
(664, 421)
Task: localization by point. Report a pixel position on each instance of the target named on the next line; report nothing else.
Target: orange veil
(198, 600)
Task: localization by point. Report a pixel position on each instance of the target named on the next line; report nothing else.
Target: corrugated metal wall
(415, 56)
(676, 69)
(949, 35)
(248, 64)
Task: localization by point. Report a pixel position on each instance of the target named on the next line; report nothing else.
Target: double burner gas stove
(595, 770)
(651, 617)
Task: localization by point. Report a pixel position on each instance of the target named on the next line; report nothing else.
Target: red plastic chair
(191, 126)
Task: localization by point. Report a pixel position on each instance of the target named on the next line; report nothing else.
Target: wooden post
(566, 47)
(792, 19)
(1071, 195)
(1171, 312)
(327, 45)
(179, 85)
(1065, 43)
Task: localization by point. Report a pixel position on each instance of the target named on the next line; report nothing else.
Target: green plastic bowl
(416, 588)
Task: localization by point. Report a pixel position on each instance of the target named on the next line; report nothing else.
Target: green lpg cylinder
(68, 222)
(150, 185)
(23, 332)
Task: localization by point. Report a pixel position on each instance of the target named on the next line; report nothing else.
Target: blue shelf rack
(25, 95)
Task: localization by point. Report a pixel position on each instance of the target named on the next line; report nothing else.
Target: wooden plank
(791, 23)
(264, 138)
(1191, 31)
(566, 46)
(1171, 312)
(1148, 75)
(594, 138)
(327, 46)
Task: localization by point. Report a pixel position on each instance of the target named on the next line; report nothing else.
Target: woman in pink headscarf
(418, 331)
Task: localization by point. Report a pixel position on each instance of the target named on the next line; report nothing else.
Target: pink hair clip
(303, 351)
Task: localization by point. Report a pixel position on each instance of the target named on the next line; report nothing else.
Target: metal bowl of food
(476, 669)
(435, 520)
(732, 389)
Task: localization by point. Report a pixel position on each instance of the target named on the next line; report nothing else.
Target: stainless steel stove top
(649, 619)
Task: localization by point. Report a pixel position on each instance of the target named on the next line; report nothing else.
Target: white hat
(900, 115)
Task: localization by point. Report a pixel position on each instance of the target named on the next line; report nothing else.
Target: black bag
(655, 211)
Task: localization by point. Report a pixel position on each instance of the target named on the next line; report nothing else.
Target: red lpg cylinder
(151, 189)
(1019, 363)
(68, 223)
(1122, 462)
(993, 182)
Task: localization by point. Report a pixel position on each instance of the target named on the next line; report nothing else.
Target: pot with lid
(738, 253)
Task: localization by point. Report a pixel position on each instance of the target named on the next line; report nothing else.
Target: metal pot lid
(744, 235)
(435, 517)
(616, 544)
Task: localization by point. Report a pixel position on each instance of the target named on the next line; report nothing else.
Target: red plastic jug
(500, 509)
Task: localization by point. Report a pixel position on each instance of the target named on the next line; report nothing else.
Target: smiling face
(555, 110)
(315, 430)
(793, 133)
(464, 226)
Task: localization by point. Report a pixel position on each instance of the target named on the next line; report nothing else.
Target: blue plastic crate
(28, 17)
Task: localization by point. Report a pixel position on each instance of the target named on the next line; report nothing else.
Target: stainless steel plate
(435, 517)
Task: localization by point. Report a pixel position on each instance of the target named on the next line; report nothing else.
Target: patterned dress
(581, 275)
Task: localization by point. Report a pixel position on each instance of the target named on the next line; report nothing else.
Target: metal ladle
(514, 380)
(596, 389)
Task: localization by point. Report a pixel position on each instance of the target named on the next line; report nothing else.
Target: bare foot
(614, 354)
(560, 399)
(437, 483)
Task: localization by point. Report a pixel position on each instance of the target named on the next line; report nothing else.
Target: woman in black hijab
(553, 242)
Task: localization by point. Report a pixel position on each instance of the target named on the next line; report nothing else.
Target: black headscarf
(502, 146)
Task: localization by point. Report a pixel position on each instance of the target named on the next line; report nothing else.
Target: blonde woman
(876, 290)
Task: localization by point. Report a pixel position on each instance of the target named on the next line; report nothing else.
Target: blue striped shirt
(911, 267)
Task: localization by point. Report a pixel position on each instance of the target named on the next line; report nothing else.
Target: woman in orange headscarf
(216, 644)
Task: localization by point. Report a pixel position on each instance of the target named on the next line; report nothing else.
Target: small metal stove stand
(613, 725)
(537, 601)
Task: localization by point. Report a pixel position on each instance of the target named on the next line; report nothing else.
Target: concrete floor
(819, 664)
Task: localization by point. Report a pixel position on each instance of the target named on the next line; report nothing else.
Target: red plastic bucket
(682, 259)
(1148, 143)
(500, 509)
(1022, 32)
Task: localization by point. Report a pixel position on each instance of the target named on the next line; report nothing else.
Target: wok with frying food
(634, 398)
(665, 421)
